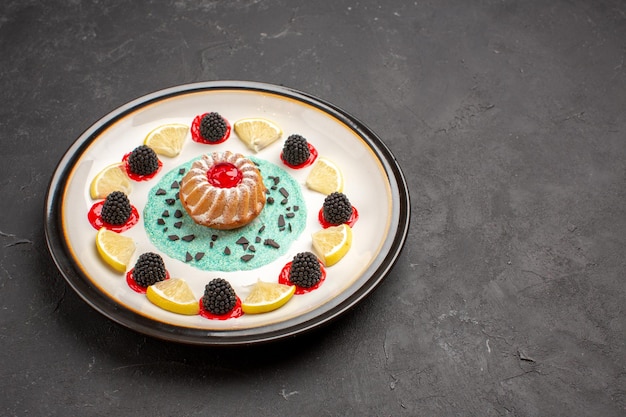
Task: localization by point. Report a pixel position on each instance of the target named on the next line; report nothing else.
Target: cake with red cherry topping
(223, 190)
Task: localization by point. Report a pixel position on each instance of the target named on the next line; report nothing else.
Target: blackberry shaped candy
(143, 160)
(337, 208)
(213, 127)
(219, 297)
(296, 150)
(305, 271)
(149, 269)
(116, 209)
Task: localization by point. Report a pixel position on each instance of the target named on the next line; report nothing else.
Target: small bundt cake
(223, 190)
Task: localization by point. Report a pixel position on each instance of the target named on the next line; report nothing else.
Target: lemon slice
(267, 296)
(257, 133)
(332, 243)
(111, 178)
(325, 177)
(174, 295)
(167, 140)
(115, 249)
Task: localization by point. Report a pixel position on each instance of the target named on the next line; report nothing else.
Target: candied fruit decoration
(116, 209)
(213, 127)
(305, 271)
(337, 208)
(296, 150)
(143, 161)
(219, 297)
(149, 269)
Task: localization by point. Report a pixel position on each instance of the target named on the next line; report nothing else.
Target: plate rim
(105, 305)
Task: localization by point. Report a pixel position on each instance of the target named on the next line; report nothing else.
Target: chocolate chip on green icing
(272, 243)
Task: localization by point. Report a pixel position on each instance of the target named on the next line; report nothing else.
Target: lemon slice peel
(115, 249)
(325, 177)
(174, 295)
(167, 139)
(257, 133)
(111, 178)
(332, 244)
(267, 296)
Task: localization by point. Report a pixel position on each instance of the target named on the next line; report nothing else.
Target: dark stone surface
(508, 120)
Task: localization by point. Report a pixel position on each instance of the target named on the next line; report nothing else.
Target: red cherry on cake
(224, 175)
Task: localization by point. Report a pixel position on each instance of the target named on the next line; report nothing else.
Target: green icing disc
(259, 243)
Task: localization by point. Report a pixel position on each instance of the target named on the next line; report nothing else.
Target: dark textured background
(508, 119)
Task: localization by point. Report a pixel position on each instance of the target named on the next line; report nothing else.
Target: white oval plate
(374, 183)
